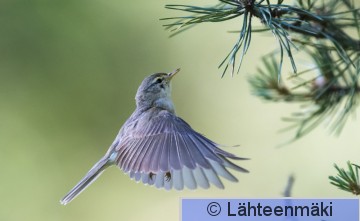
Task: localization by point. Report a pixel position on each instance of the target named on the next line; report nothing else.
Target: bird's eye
(159, 80)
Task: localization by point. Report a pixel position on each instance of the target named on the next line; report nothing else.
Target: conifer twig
(347, 180)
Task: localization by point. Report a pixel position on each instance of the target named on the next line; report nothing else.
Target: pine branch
(319, 28)
(307, 19)
(331, 96)
(347, 180)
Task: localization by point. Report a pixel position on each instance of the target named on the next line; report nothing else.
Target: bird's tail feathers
(90, 177)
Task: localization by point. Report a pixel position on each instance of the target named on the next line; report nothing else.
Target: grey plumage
(158, 148)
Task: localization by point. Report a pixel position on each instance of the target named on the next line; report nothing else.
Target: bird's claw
(167, 176)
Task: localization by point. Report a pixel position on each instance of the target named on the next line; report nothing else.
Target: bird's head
(155, 91)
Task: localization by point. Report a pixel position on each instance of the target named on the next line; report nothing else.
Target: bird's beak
(172, 74)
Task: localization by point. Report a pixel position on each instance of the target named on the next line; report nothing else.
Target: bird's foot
(151, 175)
(167, 176)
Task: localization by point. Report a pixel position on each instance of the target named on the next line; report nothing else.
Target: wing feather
(220, 169)
(155, 159)
(164, 151)
(196, 153)
(165, 154)
(136, 163)
(189, 180)
(134, 148)
(177, 178)
(185, 152)
(159, 182)
(174, 159)
(168, 184)
(213, 178)
(200, 178)
(233, 166)
(137, 177)
(204, 148)
(145, 178)
(148, 157)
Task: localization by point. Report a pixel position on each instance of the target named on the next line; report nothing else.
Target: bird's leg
(151, 175)
(167, 176)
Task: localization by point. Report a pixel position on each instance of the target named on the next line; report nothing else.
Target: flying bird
(160, 149)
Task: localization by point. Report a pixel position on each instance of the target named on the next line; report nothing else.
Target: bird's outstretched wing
(167, 153)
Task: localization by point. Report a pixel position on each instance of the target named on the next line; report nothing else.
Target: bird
(158, 148)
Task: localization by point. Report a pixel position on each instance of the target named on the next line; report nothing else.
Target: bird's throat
(165, 103)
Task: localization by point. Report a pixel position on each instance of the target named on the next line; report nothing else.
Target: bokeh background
(69, 71)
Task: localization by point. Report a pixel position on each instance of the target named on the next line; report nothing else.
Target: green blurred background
(69, 71)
